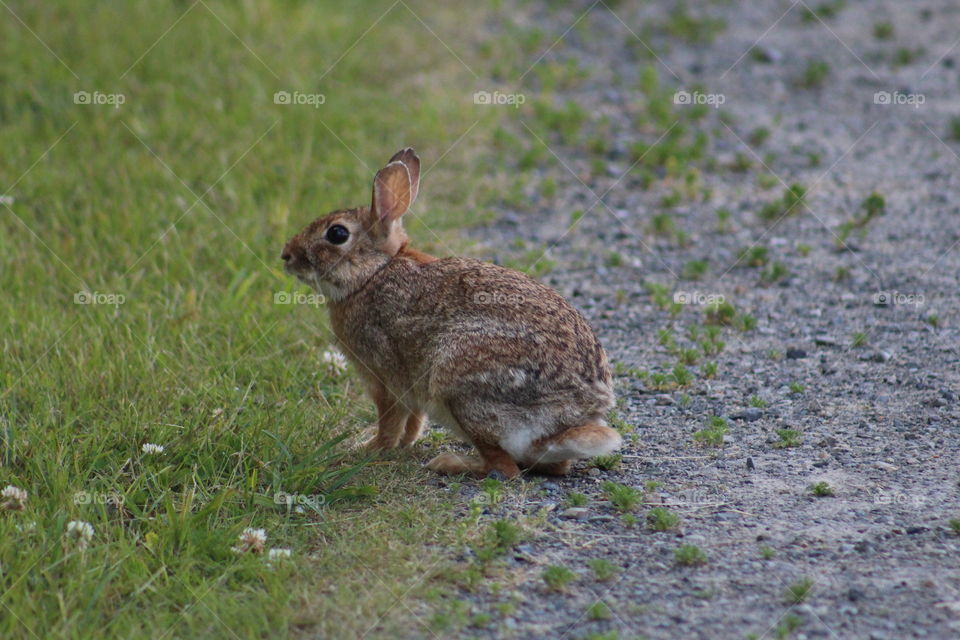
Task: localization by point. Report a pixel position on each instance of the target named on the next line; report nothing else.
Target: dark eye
(337, 234)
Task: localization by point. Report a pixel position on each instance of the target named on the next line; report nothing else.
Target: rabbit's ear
(410, 160)
(392, 192)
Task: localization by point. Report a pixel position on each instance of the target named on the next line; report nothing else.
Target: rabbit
(501, 360)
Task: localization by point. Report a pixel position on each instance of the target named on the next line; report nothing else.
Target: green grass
(799, 591)
(712, 435)
(624, 498)
(558, 577)
(690, 555)
(821, 489)
(180, 201)
(662, 519)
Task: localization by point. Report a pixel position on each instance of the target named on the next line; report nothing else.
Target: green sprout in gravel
(598, 611)
(775, 273)
(712, 435)
(883, 31)
(821, 489)
(662, 519)
(719, 313)
(558, 577)
(813, 75)
(695, 269)
(575, 499)
(602, 568)
(690, 555)
(797, 388)
(708, 370)
(798, 592)
(954, 524)
(767, 553)
(788, 438)
(758, 402)
(607, 462)
(858, 340)
(624, 498)
(681, 375)
(755, 256)
(744, 322)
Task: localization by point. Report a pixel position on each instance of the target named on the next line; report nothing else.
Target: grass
(814, 75)
(662, 519)
(689, 555)
(624, 498)
(602, 569)
(179, 201)
(558, 577)
(798, 592)
(787, 438)
(821, 489)
(713, 434)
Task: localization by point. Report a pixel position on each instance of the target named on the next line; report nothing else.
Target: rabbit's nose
(286, 255)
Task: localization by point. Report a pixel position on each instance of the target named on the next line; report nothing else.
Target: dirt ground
(855, 346)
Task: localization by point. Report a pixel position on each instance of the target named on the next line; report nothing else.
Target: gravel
(878, 423)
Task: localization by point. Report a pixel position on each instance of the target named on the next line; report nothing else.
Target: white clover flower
(14, 498)
(151, 449)
(81, 531)
(251, 541)
(336, 362)
(278, 554)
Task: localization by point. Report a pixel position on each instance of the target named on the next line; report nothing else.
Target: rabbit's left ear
(410, 160)
(392, 192)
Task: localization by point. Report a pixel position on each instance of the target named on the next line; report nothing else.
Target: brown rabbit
(501, 360)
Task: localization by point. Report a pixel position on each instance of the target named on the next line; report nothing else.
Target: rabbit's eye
(337, 234)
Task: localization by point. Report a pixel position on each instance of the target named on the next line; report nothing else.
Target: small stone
(824, 340)
(751, 414)
(575, 513)
(855, 594)
(750, 465)
(496, 474)
(664, 399)
(602, 517)
(593, 471)
(550, 486)
(796, 354)
(885, 466)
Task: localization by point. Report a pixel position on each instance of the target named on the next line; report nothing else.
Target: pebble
(796, 354)
(751, 414)
(885, 466)
(824, 340)
(575, 513)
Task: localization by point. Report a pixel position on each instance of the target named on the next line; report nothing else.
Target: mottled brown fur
(496, 356)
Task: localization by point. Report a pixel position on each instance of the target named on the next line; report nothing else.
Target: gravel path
(877, 422)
